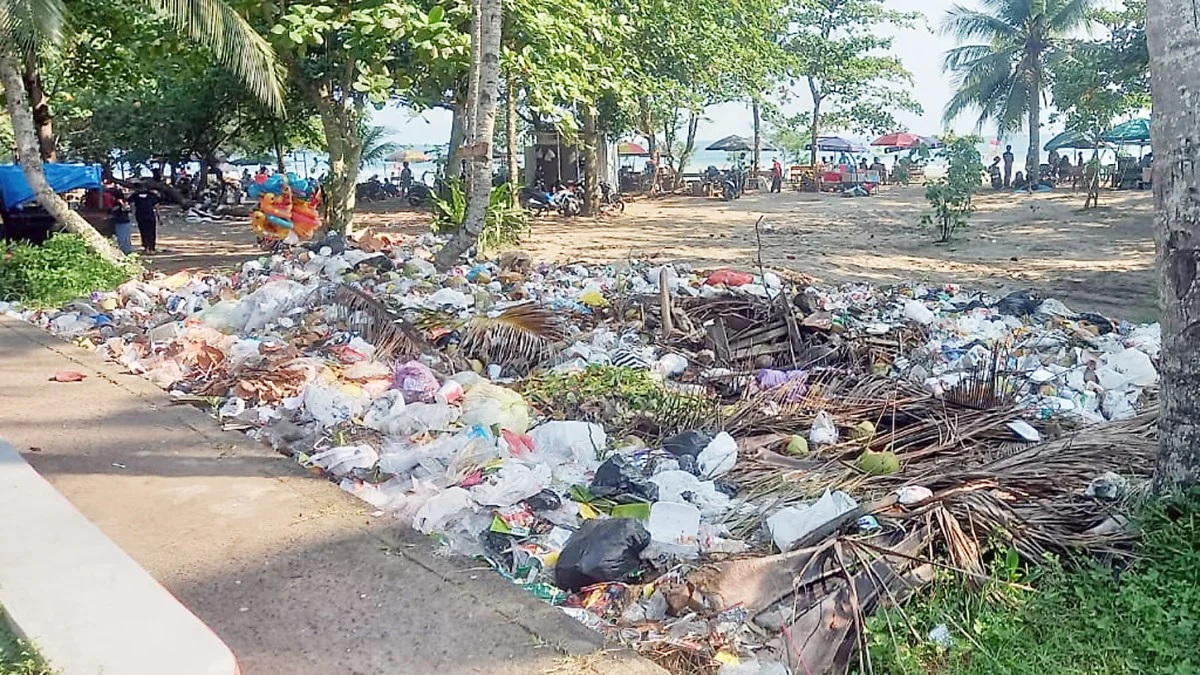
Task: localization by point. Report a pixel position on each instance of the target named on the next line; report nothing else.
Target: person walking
(145, 203)
(776, 176)
(118, 217)
(1008, 165)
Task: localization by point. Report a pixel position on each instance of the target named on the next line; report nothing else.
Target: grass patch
(1091, 620)
(60, 270)
(18, 657)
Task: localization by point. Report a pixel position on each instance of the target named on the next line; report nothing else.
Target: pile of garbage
(727, 471)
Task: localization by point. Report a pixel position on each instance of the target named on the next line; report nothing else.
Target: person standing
(776, 176)
(118, 217)
(145, 209)
(1008, 165)
(406, 180)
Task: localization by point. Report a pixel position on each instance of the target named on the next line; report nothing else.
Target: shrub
(504, 224)
(951, 196)
(60, 270)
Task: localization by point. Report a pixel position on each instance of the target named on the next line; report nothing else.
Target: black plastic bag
(1018, 303)
(546, 500)
(687, 443)
(620, 480)
(601, 550)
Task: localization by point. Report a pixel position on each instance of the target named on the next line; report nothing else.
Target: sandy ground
(1098, 260)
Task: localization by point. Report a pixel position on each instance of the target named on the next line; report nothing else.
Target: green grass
(16, 656)
(1144, 619)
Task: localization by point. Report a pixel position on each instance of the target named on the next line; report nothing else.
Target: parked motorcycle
(611, 200)
(537, 200)
(731, 185)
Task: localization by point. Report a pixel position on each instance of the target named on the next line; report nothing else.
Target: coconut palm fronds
(519, 337)
(378, 324)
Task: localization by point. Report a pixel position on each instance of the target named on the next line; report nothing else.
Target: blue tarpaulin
(15, 190)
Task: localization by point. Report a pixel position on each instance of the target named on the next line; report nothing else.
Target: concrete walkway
(292, 573)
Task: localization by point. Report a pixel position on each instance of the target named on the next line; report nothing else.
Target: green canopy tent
(1133, 132)
(1073, 140)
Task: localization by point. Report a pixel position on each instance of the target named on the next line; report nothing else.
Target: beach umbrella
(737, 143)
(1073, 140)
(1133, 132)
(898, 140)
(632, 149)
(407, 155)
(836, 144)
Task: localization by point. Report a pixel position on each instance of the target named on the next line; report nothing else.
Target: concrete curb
(86, 605)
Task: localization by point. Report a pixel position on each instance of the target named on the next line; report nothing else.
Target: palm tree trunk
(515, 183)
(31, 163)
(1033, 157)
(485, 60)
(689, 144)
(39, 103)
(458, 130)
(1174, 81)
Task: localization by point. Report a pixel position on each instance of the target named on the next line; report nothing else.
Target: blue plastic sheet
(15, 190)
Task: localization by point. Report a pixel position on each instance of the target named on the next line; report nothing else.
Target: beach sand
(1098, 260)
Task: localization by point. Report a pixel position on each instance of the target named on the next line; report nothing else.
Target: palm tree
(375, 146)
(1004, 78)
(24, 24)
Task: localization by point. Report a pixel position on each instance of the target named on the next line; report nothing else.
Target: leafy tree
(1093, 82)
(837, 50)
(346, 57)
(24, 24)
(951, 196)
(688, 55)
(1004, 77)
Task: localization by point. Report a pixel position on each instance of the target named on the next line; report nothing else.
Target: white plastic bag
(824, 431)
(420, 417)
(560, 443)
(441, 509)
(789, 525)
(513, 482)
(343, 459)
(672, 485)
(674, 523)
(330, 406)
(917, 311)
(718, 457)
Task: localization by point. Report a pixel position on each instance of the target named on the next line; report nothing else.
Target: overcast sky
(921, 49)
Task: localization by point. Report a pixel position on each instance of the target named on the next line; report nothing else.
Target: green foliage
(838, 48)
(1095, 81)
(1075, 622)
(375, 146)
(790, 133)
(622, 391)
(503, 226)
(18, 657)
(1003, 76)
(60, 270)
(950, 196)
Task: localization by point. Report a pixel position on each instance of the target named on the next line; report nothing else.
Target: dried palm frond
(519, 337)
(378, 324)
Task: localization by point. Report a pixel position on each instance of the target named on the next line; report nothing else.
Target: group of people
(1058, 169)
(141, 205)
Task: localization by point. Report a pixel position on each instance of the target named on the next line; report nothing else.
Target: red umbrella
(899, 140)
(631, 148)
